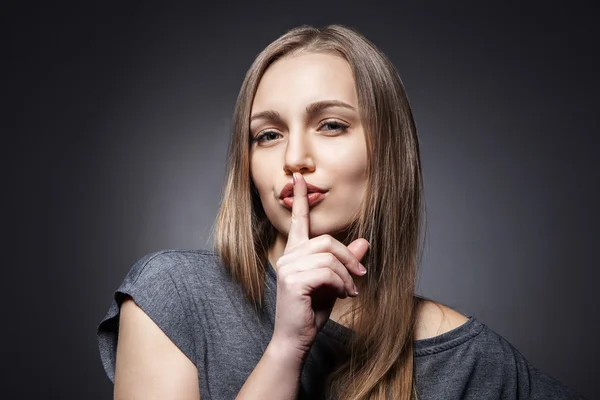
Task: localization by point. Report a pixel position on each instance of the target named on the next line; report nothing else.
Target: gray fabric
(193, 299)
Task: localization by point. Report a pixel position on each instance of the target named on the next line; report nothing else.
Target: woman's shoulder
(463, 350)
(175, 265)
(179, 257)
(434, 319)
(191, 274)
(170, 286)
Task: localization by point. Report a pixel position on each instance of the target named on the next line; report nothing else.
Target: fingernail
(362, 268)
(294, 177)
(355, 291)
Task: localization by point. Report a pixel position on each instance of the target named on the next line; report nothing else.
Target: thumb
(359, 247)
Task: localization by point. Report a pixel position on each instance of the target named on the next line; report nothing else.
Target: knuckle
(327, 240)
(284, 270)
(281, 274)
(299, 215)
(281, 262)
(329, 259)
(288, 280)
(331, 275)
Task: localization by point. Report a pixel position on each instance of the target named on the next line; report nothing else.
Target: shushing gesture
(311, 275)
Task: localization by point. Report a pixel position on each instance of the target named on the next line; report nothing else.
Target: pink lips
(313, 198)
(314, 193)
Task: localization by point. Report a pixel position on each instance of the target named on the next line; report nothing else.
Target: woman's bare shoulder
(434, 319)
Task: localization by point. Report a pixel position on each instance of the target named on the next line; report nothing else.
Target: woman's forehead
(292, 83)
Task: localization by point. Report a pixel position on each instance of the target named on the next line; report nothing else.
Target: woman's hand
(311, 275)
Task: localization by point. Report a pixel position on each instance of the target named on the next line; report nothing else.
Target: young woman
(310, 290)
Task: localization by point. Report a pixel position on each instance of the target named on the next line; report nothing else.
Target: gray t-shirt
(193, 299)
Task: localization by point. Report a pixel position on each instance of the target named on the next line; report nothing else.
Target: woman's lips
(313, 198)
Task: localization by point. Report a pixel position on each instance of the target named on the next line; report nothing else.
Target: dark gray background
(116, 123)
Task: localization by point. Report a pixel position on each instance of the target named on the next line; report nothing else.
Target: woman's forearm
(276, 376)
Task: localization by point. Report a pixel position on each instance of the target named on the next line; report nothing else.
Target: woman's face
(305, 119)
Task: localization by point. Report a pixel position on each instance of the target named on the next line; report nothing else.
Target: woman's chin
(335, 230)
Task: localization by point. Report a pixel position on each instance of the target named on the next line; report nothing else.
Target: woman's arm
(276, 376)
(148, 362)
(149, 365)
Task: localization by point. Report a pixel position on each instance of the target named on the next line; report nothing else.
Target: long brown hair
(380, 362)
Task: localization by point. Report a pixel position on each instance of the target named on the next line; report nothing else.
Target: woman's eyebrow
(318, 106)
(311, 109)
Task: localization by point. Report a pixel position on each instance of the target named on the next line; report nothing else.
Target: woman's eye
(265, 136)
(334, 126)
(329, 126)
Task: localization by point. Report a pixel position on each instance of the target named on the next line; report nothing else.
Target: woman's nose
(298, 154)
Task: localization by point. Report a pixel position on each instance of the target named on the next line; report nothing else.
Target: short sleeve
(157, 283)
(474, 362)
(545, 387)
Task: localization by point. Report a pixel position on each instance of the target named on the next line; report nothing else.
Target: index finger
(299, 226)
